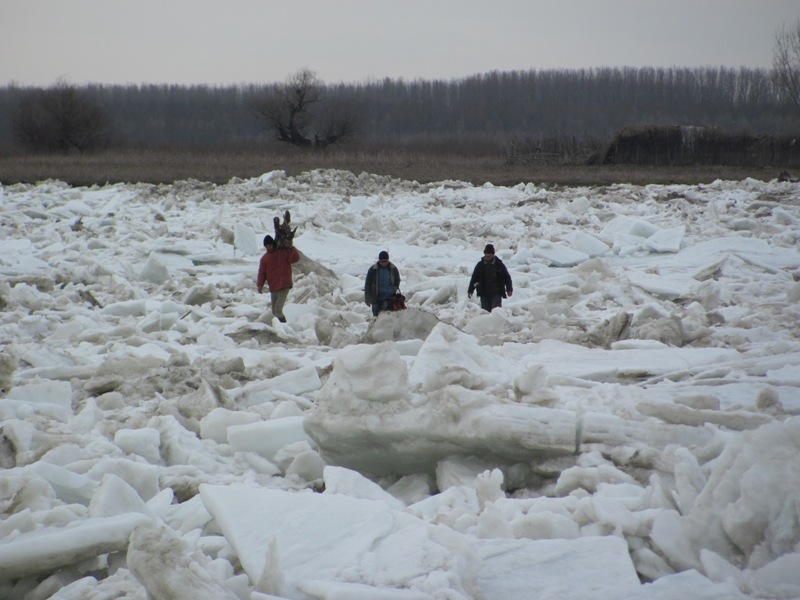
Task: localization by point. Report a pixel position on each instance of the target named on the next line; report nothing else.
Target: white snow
(627, 425)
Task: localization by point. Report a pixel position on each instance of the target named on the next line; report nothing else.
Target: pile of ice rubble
(185, 448)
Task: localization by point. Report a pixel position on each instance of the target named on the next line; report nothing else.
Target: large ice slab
(547, 568)
(47, 550)
(300, 381)
(267, 437)
(289, 540)
(331, 544)
(453, 411)
(49, 392)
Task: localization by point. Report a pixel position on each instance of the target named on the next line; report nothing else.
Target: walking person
(491, 280)
(383, 280)
(275, 269)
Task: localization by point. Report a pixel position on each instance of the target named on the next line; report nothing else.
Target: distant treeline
(498, 107)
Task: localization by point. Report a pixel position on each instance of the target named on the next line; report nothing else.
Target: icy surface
(625, 426)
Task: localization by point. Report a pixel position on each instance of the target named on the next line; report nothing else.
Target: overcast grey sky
(354, 41)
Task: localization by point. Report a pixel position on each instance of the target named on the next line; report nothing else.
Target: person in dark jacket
(491, 279)
(383, 280)
(275, 269)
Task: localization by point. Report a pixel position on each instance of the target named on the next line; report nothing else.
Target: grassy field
(166, 166)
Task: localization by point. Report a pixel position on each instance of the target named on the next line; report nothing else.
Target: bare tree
(786, 61)
(295, 112)
(60, 118)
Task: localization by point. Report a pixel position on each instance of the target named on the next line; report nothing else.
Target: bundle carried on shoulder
(284, 234)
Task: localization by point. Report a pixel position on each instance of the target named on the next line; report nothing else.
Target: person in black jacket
(490, 277)
(383, 280)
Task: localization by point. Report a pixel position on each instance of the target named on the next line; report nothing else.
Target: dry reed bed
(166, 166)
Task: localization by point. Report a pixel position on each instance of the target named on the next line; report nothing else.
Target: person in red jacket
(275, 269)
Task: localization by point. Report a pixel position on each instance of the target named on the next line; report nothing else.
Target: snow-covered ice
(626, 426)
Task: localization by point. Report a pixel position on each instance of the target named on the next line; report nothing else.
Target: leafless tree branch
(292, 111)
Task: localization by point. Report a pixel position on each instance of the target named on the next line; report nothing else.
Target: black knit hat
(384, 255)
(489, 249)
(268, 241)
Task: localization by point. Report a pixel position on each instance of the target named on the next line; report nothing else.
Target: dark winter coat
(371, 284)
(490, 279)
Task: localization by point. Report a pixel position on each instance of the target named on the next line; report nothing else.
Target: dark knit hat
(268, 241)
(489, 249)
(384, 255)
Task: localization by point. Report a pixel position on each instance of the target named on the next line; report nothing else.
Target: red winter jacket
(275, 268)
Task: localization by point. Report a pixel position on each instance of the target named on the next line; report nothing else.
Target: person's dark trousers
(378, 306)
(490, 302)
